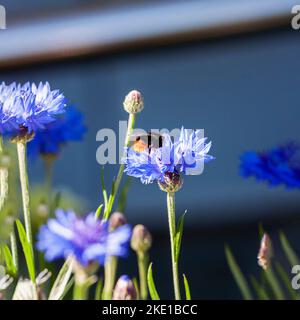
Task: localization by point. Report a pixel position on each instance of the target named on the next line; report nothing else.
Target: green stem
(21, 147)
(3, 196)
(172, 229)
(110, 270)
(108, 209)
(80, 291)
(143, 263)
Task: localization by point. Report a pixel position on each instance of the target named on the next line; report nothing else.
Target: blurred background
(228, 66)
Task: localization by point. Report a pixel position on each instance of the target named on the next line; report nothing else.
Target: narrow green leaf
(152, 289)
(261, 230)
(186, 288)
(56, 202)
(178, 236)
(288, 250)
(98, 211)
(260, 291)
(274, 284)
(10, 266)
(286, 280)
(123, 196)
(61, 282)
(104, 192)
(27, 249)
(136, 286)
(98, 291)
(237, 274)
(67, 288)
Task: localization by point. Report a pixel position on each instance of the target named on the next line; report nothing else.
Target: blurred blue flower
(151, 164)
(87, 238)
(31, 106)
(280, 165)
(67, 127)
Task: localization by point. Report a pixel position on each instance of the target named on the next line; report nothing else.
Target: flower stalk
(172, 229)
(143, 263)
(110, 270)
(108, 209)
(21, 148)
(3, 196)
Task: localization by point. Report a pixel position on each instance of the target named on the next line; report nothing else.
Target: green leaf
(98, 211)
(186, 288)
(260, 291)
(98, 291)
(27, 249)
(178, 236)
(237, 274)
(60, 285)
(261, 230)
(286, 280)
(136, 286)
(56, 202)
(10, 266)
(123, 196)
(274, 284)
(288, 250)
(104, 192)
(152, 289)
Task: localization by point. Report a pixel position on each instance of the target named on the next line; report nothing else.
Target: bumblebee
(147, 142)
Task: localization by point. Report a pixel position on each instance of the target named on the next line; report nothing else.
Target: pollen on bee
(139, 145)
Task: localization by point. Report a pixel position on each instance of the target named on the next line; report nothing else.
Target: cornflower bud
(265, 252)
(141, 239)
(117, 219)
(124, 289)
(133, 102)
(173, 182)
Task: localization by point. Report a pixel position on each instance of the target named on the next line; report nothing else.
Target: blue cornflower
(31, 107)
(280, 165)
(67, 127)
(8, 113)
(87, 238)
(153, 164)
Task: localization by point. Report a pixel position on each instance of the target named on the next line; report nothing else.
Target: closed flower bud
(124, 289)
(173, 182)
(43, 210)
(117, 219)
(141, 239)
(265, 252)
(133, 102)
(5, 160)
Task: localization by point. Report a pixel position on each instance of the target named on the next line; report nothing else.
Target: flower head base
(173, 182)
(265, 252)
(165, 164)
(26, 108)
(124, 289)
(141, 239)
(67, 127)
(88, 239)
(133, 102)
(280, 165)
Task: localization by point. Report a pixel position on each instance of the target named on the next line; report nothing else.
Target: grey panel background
(242, 91)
